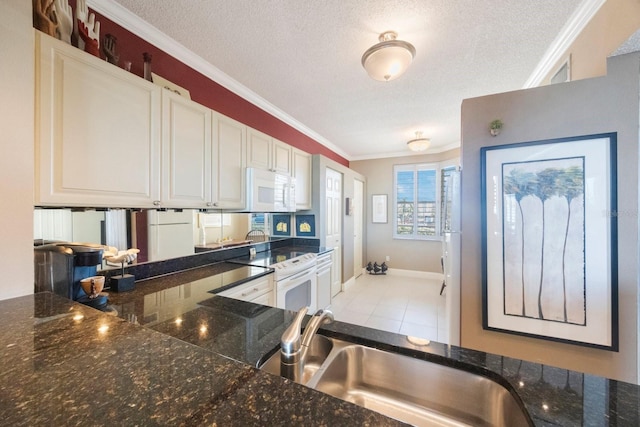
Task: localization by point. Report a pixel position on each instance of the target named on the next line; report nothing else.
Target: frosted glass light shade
(388, 59)
(419, 143)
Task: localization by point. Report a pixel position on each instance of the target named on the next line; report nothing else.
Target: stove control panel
(294, 265)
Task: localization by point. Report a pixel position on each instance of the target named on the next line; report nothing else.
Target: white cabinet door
(186, 152)
(260, 291)
(281, 157)
(229, 142)
(266, 299)
(323, 285)
(258, 149)
(97, 131)
(265, 152)
(302, 173)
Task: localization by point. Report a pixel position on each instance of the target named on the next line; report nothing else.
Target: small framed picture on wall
(379, 208)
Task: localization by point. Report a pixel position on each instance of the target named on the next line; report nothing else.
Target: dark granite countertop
(190, 360)
(247, 332)
(552, 396)
(68, 365)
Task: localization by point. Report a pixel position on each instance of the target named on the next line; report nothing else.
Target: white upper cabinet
(203, 157)
(229, 143)
(186, 153)
(108, 138)
(258, 149)
(265, 152)
(302, 165)
(97, 131)
(281, 159)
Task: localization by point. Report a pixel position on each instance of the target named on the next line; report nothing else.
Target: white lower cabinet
(97, 131)
(324, 277)
(259, 291)
(266, 299)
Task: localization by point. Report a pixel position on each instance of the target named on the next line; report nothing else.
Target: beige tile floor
(405, 305)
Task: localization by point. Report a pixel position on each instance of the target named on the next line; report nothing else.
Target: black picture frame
(549, 239)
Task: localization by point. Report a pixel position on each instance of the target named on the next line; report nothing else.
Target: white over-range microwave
(269, 191)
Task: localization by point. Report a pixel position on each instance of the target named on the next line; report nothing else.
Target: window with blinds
(418, 200)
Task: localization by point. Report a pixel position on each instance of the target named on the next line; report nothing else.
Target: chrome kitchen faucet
(293, 348)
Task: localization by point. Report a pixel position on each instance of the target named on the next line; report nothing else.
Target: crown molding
(407, 153)
(574, 26)
(126, 19)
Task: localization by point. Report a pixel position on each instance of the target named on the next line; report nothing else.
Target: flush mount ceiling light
(419, 143)
(388, 59)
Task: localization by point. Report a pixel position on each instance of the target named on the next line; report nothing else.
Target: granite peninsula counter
(66, 364)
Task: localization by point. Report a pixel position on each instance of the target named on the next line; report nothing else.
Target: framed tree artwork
(549, 219)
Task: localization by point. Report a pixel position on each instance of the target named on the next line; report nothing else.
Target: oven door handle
(296, 276)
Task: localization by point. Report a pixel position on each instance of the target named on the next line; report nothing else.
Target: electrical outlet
(388, 258)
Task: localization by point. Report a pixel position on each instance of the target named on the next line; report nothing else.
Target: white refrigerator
(170, 234)
(451, 257)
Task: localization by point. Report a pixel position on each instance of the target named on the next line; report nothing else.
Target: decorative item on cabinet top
(57, 19)
(109, 49)
(169, 85)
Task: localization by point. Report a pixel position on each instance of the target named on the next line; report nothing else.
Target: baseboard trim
(349, 283)
(414, 273)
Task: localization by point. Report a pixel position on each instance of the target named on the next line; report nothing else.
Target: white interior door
(358, 203)
(334, 226)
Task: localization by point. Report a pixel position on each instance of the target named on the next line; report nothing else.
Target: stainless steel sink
(411, 390)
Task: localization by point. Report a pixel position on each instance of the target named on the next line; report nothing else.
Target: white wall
(585, 107)
(17, 137)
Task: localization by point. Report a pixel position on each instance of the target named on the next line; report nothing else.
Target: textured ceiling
(632, 44)
(303, 57)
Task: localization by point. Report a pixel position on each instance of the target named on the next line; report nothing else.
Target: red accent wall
(206, 91)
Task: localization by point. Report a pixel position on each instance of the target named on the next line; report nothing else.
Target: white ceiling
(301, 59)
